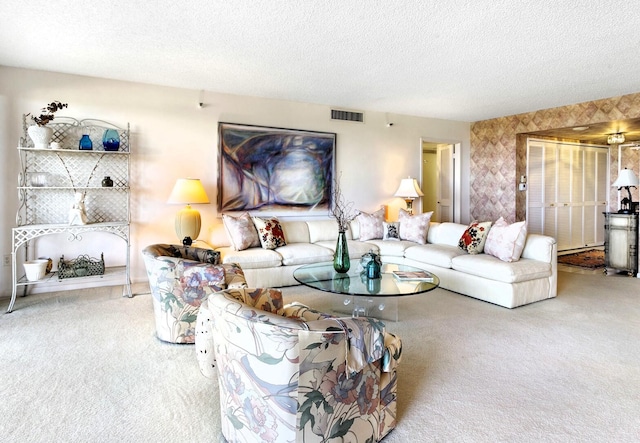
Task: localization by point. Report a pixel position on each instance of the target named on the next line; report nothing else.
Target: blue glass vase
(111, 140)
(85, 143)
(341, 261)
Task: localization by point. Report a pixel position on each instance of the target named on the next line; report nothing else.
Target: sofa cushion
(446, 233)
(474, 237)
(506, 241)
(254, 258)
(241, 231)
(356, 248)
(414, 228)
(436, 255)
(323, 230)
(391, 231)
(270, 232)
(391, 248)
(303, 253)
(371, 225)
(492, 268)
(295, 231)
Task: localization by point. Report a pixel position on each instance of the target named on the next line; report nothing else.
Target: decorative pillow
(371, 225)
(241, 231)
(391, 231)
(270, 232)
(414, 227)
(474, 237)
(506, 241)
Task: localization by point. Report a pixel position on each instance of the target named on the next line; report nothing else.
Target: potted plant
(39, 132)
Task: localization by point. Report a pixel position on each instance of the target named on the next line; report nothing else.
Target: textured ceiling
(454, 59)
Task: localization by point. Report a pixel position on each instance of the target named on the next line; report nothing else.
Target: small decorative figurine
(77, 213)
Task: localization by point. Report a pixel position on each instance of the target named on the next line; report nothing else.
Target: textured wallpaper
(497, 160)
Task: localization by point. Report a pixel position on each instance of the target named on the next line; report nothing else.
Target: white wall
(172, 137)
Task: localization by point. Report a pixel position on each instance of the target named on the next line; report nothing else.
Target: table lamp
(188, 191)
(409, 190)
(626, 179)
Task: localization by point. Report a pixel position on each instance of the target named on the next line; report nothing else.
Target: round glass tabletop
(396, 280)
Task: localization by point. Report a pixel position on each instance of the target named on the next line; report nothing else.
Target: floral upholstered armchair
(180, 278)
(292, 374)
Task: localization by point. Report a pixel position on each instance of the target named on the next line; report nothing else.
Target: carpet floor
(82, 366)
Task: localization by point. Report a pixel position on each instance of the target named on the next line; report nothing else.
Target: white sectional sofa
(510, 284)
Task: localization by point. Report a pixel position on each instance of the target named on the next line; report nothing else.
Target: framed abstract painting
(275, 170)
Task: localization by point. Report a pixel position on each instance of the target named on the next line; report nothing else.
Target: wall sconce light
(626, 179)
(615, 139)
(409, 190)
(188, 191)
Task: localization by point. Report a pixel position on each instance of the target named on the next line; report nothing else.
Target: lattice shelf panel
(51, 205)
(68, 131)
(75, 169)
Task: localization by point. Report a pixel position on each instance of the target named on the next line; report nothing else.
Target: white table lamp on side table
(409, 190)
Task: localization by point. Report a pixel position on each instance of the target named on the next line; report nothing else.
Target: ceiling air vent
(349, 116)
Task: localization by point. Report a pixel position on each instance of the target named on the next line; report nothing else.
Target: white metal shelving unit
(48, 181)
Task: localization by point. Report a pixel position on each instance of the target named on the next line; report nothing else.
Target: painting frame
(279, 171)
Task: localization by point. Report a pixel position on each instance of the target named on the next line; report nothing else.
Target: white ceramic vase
(40, 135)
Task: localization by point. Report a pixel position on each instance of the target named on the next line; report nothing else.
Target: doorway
(440, 174)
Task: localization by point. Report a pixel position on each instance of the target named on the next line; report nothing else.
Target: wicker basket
(82, 266)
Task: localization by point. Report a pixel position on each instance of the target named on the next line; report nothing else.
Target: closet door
(567, 192)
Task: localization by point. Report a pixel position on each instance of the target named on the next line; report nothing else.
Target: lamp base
(187, 241)
(188, 224)
(409, 202)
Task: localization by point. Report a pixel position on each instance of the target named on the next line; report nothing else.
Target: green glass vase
(341, 261)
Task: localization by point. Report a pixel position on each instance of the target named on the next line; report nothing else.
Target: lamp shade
(188, 222)
(408, 189)
(626, 177)
(188, 190)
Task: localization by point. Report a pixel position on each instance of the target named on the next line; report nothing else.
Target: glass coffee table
(361, 296)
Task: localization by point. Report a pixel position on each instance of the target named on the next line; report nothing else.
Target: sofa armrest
(303, 312)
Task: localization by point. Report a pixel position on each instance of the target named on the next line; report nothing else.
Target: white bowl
(35, 269)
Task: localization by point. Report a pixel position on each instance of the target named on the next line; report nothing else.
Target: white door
(445, 189)
(567, 192)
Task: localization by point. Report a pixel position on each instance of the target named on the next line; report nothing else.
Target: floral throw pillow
(391, 231)
(506, 241)
(414, 227)
(270, 232)
(474, 237)
(241, 231)
(371, 225)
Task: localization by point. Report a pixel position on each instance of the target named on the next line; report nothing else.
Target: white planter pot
(40, 135)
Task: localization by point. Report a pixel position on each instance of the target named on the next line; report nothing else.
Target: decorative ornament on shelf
(39, 132)
(344, 213)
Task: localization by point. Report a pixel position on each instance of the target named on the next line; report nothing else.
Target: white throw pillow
(241, 231)
(506, 241)
(371, 227)
(414, 227)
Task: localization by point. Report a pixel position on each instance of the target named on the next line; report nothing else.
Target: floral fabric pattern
(270, 232)
(371, 225)
(241, 231)
(474, 237)
(292, 379)
(414, 227)
(179, 285)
